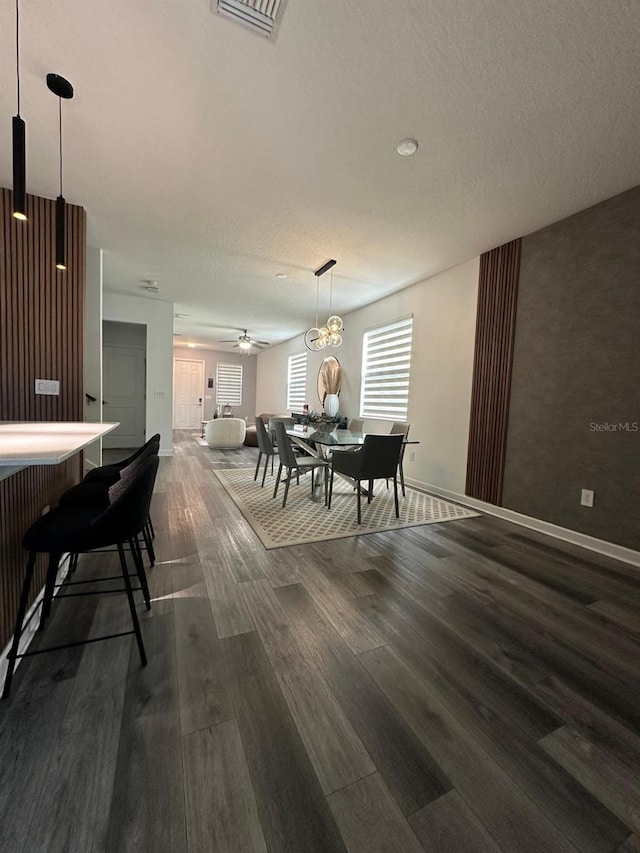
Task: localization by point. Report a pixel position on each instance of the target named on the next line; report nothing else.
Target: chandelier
(319, 337)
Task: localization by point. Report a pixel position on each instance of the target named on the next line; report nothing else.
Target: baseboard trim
(165, 452)
(601, 546)
(32, 627)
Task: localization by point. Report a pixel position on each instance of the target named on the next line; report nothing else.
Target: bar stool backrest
(129, 502)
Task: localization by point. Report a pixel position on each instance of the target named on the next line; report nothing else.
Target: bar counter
(24, 443)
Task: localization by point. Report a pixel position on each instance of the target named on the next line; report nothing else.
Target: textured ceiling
(210, 159)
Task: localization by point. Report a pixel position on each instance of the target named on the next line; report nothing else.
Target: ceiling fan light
(245, 345)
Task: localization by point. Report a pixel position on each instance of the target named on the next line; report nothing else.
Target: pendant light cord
(18, 50)
(317, 299)
(60, 118)
(331, 293)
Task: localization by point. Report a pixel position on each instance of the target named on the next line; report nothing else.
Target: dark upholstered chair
(377, 459)
(295, 464)
(265, 448)
(111, 473)
(401, 428)
(81, 529)
(95, 493)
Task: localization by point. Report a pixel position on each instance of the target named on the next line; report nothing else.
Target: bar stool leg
(49, 587)
(151, 551)
(151, 530)
(255, 476)
(142, 575)
(17, 632)
(132, 605)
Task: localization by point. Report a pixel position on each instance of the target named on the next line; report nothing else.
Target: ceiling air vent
(258, 15)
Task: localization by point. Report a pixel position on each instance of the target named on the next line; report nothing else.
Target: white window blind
(229, 384)
(386, 368)
(297, 382)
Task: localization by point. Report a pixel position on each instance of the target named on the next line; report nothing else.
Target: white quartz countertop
(46, 442)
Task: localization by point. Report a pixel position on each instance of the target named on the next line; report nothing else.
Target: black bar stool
(110, 474)
(95, 493)
(81, 529)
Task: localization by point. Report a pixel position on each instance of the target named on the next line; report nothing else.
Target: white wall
(444, 316)
(158, 318)
(93, 350)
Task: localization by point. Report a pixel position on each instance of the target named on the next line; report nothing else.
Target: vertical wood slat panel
(493, 358)
(41, 336)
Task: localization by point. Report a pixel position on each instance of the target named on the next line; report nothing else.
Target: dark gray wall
(577, 363)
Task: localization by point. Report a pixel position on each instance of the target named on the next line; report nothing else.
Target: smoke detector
(151, 286)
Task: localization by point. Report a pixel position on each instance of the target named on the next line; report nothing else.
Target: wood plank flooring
(468, 687)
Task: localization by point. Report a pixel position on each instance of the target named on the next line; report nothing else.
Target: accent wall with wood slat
(495, 330)
(41, 337)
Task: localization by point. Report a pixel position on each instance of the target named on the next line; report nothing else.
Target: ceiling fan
(245, 342)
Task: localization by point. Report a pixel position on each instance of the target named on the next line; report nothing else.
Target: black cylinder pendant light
(19, 209)
(63, 89)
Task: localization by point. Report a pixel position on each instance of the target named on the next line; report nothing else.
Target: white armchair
(225, 433)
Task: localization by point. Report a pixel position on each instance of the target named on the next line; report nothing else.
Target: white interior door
(124, 380)
(188, 393)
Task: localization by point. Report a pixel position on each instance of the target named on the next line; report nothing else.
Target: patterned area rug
(303, 520)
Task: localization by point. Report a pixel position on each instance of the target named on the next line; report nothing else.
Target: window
(229, 384)
(386, 367)
(297, 382)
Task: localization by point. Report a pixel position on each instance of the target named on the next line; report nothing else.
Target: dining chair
(356, 425)
(377, 459)
(265, 448)
(401, 428)
(295, 464)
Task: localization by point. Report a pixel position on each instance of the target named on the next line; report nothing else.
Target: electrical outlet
(586, 497)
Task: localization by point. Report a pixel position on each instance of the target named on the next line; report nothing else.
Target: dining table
(320, 443)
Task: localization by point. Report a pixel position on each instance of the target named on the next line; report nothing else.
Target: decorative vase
(331, 405)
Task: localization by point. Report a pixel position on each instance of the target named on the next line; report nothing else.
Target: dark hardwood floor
(467, 687)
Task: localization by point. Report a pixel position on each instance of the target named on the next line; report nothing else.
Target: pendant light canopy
(19, 142)
(319, 337)
(63, 89)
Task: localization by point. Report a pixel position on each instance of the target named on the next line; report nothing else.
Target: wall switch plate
(586, 498)
(412, 455)
(48, 386)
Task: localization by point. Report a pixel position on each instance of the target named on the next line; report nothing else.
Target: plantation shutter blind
(229, 384)
(297, 382)
(386, 368)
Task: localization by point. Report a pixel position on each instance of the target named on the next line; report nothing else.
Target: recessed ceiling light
(281, 275)
(181, 316)
(407, 147)
(193, 346)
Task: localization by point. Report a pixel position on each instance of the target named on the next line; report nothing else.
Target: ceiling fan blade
(262, 343)
(228, 342)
